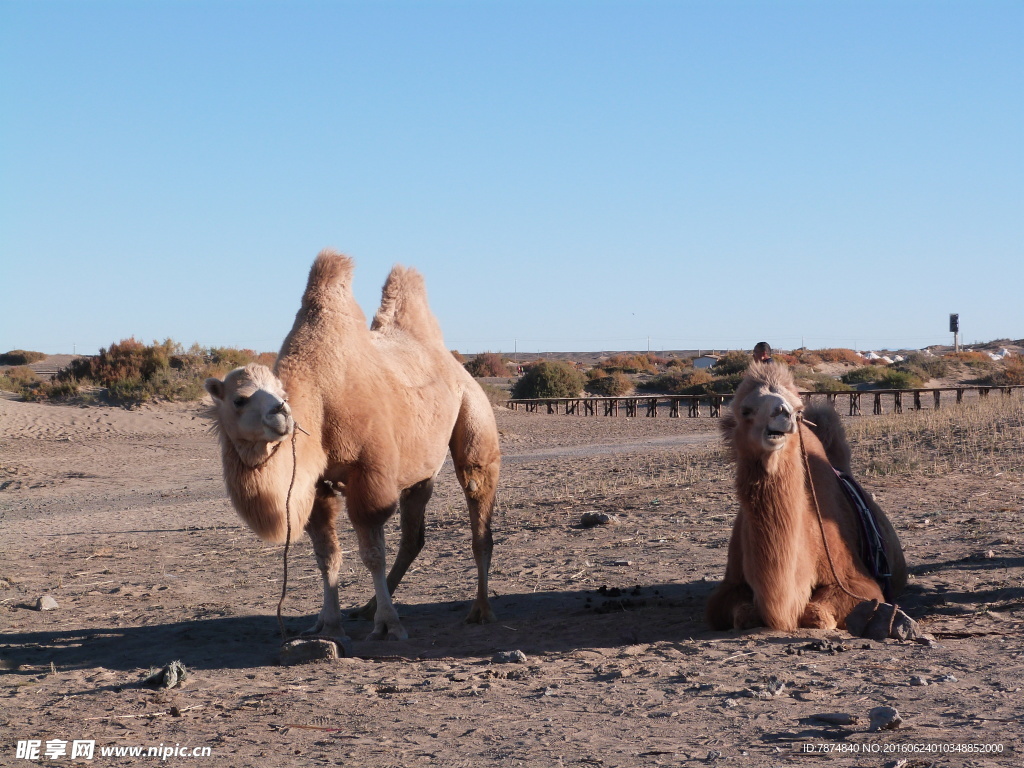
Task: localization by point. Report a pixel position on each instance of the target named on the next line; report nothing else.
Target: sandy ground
(121, 517)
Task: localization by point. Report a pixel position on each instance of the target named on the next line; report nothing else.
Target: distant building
(706, 361)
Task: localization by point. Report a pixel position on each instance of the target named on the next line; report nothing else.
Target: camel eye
(241, 401)
(747, 412)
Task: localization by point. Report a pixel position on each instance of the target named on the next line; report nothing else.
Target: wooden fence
(694, 405)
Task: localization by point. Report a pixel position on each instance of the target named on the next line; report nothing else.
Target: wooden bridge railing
(652, 405)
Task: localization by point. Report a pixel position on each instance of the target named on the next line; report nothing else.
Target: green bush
(822, 382)
(21, 357)
(610, 385)
(695, 381)
(732, 363)
(931, 367)
(896, 379)
(132, 372)
(867, 375)
(549, 379)
(18, 378)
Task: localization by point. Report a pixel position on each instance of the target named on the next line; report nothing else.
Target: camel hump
(403, 306)
(330, 280)
(824, 422)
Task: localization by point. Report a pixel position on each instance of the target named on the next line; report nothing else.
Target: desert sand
(121, 517)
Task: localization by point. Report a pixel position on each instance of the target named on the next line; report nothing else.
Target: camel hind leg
(477, 459)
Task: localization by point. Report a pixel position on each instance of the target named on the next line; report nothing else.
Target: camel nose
(282, 407)
(783, 409)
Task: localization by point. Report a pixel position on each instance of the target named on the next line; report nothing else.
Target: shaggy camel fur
(778, 572)
(382, 407)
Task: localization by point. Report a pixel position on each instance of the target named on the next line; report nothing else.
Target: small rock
(46, 603)
(171, 676)
(730, 703)
(945, 679)
(303, 651)
(918, 680)
(509, 657)
(590, 519)
(884, 719)
(987, 554)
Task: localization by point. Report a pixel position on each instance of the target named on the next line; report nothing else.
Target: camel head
(251, 409)
(766, 411)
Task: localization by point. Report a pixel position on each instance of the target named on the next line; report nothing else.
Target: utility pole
(954, 328)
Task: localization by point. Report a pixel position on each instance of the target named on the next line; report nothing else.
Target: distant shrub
(839, 355)
(487, 364)
(610, 385)
(866, 375)
(630, 364)
(18, 378)
(458, 357)
(732, 363)
(496, 395)
(807, 357)
(21, 357)
(784, 357)
(967, 357)
(726, 385)
(131, 371)
(928, 366)
(679, 362)
(1011, 373)
(892, 378)
(549, 379)
(696, 381)
(821, 382)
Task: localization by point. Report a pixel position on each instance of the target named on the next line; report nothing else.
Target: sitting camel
(381, 406)
(800, 553)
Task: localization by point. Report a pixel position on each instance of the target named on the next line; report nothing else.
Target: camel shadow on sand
(534, 623)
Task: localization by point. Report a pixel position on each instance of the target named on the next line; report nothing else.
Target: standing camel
(801, 555)
(376, 410)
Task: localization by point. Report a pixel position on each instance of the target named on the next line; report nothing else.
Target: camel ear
(215, 387)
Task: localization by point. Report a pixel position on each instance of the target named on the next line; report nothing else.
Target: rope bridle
(288, 538)
(821, 527)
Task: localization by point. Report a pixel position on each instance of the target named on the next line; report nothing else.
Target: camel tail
(404, 307)
(829, 429)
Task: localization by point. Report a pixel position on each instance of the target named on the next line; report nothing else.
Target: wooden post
(937, 394)
(630, 407)
(673, 408)
(983, 391)
(716, 405)
(897, 402)
(878, 404)
(652, 407)
(694, 407)
(917, 400)
(588, 407)
(959, 395)
(855, 403)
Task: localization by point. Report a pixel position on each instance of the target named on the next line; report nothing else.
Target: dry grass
(986, 435)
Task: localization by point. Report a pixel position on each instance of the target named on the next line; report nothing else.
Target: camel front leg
(412, 507)
(830, 604)
(328, 557)
(386, 625)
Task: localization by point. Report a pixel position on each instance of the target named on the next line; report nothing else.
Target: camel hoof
(366, 613)
(384, 634)
(323, 629)
(878, 621)
(480, 615)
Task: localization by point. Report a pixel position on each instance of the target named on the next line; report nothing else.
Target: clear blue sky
(566, 175)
